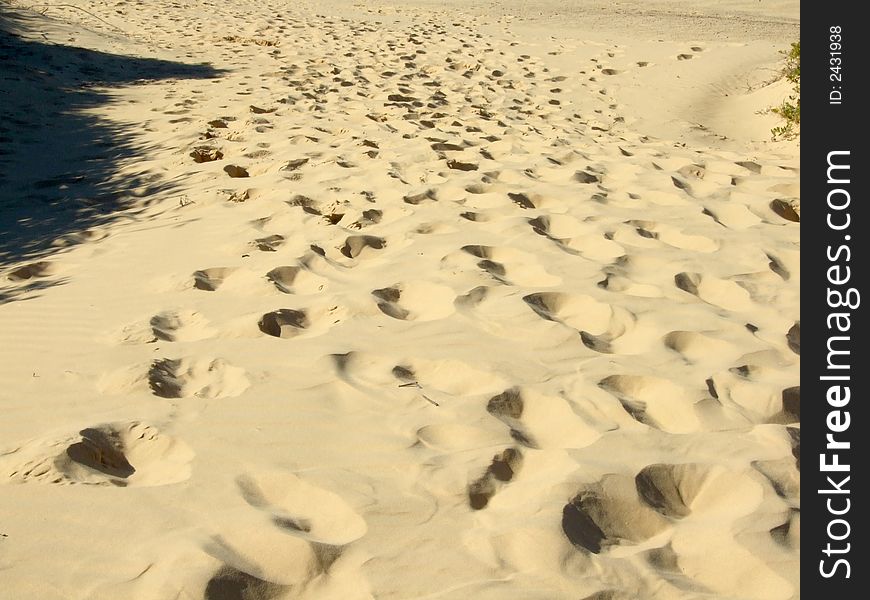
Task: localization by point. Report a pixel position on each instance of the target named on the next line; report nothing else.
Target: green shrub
(790, 109)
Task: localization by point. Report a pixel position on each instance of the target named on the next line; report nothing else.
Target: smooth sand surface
(339, 300)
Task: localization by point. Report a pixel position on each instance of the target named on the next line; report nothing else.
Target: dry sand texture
(398, 301)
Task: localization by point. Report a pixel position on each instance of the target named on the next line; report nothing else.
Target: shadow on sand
(58, 158)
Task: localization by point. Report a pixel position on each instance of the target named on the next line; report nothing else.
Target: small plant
(790, 109)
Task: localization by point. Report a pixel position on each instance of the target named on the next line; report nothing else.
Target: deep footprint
(118, 454)
(284, 323)
(204, 378)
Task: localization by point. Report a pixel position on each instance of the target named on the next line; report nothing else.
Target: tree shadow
(58, 159)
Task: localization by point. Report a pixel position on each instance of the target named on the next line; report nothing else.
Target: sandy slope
(430, 301)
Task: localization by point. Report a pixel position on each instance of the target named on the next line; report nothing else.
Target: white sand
(501, 310)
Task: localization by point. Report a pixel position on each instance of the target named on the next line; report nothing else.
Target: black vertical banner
(834, 223)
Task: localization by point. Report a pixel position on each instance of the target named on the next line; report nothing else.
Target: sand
(398, 300)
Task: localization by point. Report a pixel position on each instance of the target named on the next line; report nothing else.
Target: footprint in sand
(527, 200)
(506, 265)
(788, 534)
(284, 323)
(778, 265)
(794, 338)
(678, 490)
(712, 290)
(749, 165)
(484, 197)
(757, 400)
(452, 436)
(784, 478)
(600, 325)
(608, 513)
(668, 489)
(296, 280)
(784, 473)
(538, 420)
(180, 326)
(575, 237)
(32, 271)
(307, 204)
(416, 301)
(444, 376)
(370, 216)
(618, 509)
(211, 279)
(295, 536)
(229, 583)
(421, 197)
(260, 561)
(791, 404)
(357, 245)
(586, 177)
(501, 470)
(291, 322)
(732, 216)
(270, 243)
(788, 209)
(673, 236)
(637, 274)
(701, 347)
(656, 402)
(577, 311)
(692, 172)
(119, 454)
(196, 377)
(168, 326)
(301, 509)
(610, 594)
